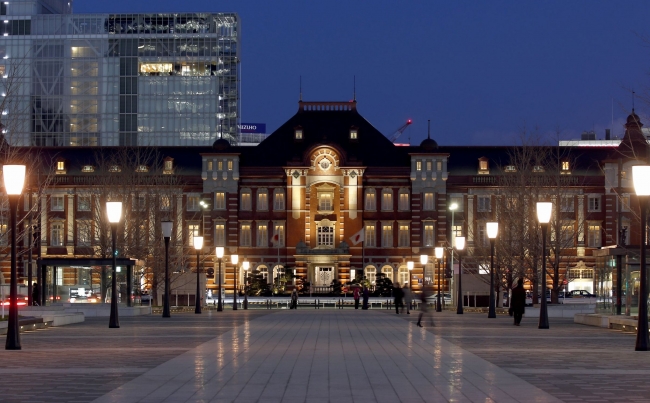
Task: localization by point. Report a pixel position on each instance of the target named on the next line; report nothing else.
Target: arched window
(403, 275)
(370, 273)
(370, 202)
(278, 271)
(264, 272)
(388, 272)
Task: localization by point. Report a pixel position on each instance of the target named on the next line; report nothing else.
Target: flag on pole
(275, 240)
(358, 237)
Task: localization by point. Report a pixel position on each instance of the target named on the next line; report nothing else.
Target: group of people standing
(365, 294)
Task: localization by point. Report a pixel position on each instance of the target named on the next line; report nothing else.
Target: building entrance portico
(323, 275)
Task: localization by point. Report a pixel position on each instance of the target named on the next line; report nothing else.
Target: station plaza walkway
(332, 355)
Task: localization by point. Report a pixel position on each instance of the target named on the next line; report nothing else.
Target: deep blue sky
(480, 70)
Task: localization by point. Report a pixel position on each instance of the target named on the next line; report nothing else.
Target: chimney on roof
(608, 134)
(591, 135)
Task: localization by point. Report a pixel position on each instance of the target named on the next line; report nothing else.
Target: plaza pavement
(326, 355)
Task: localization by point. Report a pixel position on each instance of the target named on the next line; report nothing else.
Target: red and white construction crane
(393, 138)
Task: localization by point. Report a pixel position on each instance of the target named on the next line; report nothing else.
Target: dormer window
(298, 133)
(60, 167)
(88, 168)
(230, 165)
(114, 168)
(142, 168)
(354, 133)
(565, 168)
(168, 166)
(483, 166)
(418, 165)
(510, 168)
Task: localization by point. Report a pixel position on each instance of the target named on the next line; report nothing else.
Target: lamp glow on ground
(246, 265)
(166, 227)
(641, 180)
(460, 246)
(492, 232)
(439, 251)
(14, 180)
(219, 250)
(114, 215)
(234, 259)
(198, 245)
(544, 210)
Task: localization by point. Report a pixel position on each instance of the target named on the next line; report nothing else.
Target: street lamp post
(492, 230)
(219, 252)
(114, 213)
(452, 207)
(235, 259)
(439, 252)
(544, 216)
(167, 234)
(640, 175)
(14, 178)
(198, 245)
(460, 245)
(246, 265)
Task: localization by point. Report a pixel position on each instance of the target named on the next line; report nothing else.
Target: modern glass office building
(117, 79)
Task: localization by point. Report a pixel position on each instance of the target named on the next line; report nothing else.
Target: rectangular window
(565, 165)
(83, 233)
(567, 204)
(193, 202)
(220, 201)
(428, 235)
(278, 201)
(387, 200)
(567, 236)
(278, 229)
(230, 165)
(165, 203)
(428, 165)
(370, 203)
(387, 235)
(220, 166)
(457, 230)
(593, 239)
(192, 231)
(245, 235)
(139, 203)
(57, 235)
(482, 238)
(404, 204)
(325, 235)
(220, 235)
(353, 134)
(625, 203)
(418, 165)
(83, 203)
(438, 166)
(262, 200)
(594, 203)
(403, 235)
(57, 203)
(484, 203)
(325, 201)
(60, 166)
(246, 201)
(4, 238)
(262, 235)
(428, 201)
(371, 236)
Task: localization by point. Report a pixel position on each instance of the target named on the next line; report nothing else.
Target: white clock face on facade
(325, 164)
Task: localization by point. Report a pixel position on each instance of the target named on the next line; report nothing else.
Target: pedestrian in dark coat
(398, 294)
(424, 308)
(356, 295)
(36, 294)
(366, 295)
(294, 299)
(518, 301)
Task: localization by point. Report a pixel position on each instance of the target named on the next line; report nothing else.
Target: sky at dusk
(481, 71)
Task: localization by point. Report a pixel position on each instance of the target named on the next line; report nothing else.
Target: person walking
(398, 294)
(366, 295)
(424, 308)
(408, 298)
(36, 294)
(518, 301)
(294, 299)
(356, 295)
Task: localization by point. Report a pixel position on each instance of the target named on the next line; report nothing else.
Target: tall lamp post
(219, 252)
(640, 175)
(439, 252)
(14, 178)
(167, 234)
(544, 217)
(114, 213)
(460, 245)
(246, 266)
(198, 245)
(452, 207)
(409, 265)
(235, 259)
(492, 231)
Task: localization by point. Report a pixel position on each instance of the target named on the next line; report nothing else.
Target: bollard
(315, 304)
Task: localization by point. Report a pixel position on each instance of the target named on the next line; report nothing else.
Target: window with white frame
(404, 202)
(418, 165)
(83, 233)
(193, 201)
(220, 234)
(325, 234)
(245, 235)
(428, 235)
(4, 227)
(568, 235)
(83, 203)
(593, 203)
(325, 201)
(387, 235)
(165, 203)
(429, 165)
(438, 166)
(387, 271)
(624, 201)
(192, 231)
(387, 199)
(567, 205)
(139, 203)
(278, 200)
(428, 201)
(220, 200)
(371, 236)
(245, 202)
(403, 235)
(262, 235)
(278, 229)
(482, 237)
(57, 202)
(229, 165)
(220, 165)
(264, 272)
(457, 230)
(403, 275)
(56, 238)
(262, 199)
(593, 236)
(370, 201)
(371, 274)
(483, 203)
